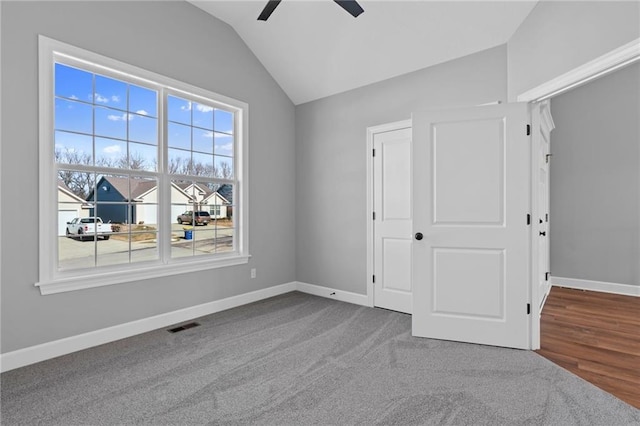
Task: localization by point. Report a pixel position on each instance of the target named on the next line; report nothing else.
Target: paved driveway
(74, 254)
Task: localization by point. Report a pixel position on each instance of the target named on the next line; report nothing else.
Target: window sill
(100, 279)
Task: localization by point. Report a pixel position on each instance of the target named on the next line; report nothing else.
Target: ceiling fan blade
(350, 6)
(268, 9)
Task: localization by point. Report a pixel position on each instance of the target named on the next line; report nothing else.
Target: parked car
(87, 227)
(202, 218)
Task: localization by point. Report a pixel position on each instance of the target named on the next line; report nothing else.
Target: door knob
(419, 236)
(543, 233)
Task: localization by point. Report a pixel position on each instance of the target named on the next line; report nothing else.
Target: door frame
(540, 118)
(602, 65)
(371, 132)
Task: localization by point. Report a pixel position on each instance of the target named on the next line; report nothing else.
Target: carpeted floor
(298, 359)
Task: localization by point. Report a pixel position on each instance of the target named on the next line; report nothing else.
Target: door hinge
(528, 129)
(374, 279)
(374, 215)
(546, 276)
(547, 157)
(528, 219)
(374, 152)
(546, 217)
(528, 308)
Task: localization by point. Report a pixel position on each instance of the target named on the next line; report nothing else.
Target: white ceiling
(314, 49)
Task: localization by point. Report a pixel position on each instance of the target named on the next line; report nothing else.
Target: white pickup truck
(87, 227)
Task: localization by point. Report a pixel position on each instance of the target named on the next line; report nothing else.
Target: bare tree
(224, 171)
(80, 183)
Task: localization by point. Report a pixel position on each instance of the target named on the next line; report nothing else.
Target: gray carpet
(297, 359)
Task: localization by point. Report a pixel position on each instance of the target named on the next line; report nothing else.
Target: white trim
(331, 293)
(605, 287)
(371, 132)
(42, 352)
(155, 270)
(598, 67)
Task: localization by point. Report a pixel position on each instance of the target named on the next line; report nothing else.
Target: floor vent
(183, 327)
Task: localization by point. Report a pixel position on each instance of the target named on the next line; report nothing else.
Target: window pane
(72, 253)
(223, 144)
(143, 101)
(110, 92)
(111, 123)
(223, 121)
(226, 191)
(144, 244)
(80, 184)
(202, 116)
(223, 167)
(73, 116)
(203, 141)
(202, 164)
(179, 161)
(114, 251)
(75, 252)
(115, 189)
(224, 241)
(112, 213)
(179, 110)
(111, 153)
(73, 83)
(179, 136)
(143, 129)
(73, 148)
(143, 157)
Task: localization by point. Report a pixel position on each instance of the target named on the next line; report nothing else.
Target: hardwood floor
(595, 336)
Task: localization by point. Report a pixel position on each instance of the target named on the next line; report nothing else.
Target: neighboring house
(216, 202)
(217, 205)
(69, 206)
(126, 200)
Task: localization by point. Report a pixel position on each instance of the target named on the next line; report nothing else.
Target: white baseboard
(37, 353)
(605, 287)
(343, 296)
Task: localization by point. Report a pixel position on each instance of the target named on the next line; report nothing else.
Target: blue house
(115, 199)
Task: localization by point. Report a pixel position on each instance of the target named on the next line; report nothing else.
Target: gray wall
(170, 38)
(331, 158)
(558, 36)
(595, 180)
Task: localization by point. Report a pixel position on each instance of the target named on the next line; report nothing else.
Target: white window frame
(51, 280)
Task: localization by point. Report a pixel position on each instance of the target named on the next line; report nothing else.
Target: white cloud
(115, 98)
(111, 149)
(226, 148)
(123, 117)
(142, 112)
(208, 134)
(222, 135)
(204, 108)
(101, 99)
(187, 107)
(74, 97)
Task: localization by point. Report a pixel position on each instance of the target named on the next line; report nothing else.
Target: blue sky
(105, 118)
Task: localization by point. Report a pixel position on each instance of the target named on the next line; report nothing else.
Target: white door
(392, 224)
(471, 197)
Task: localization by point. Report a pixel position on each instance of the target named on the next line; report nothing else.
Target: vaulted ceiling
(315, 49)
